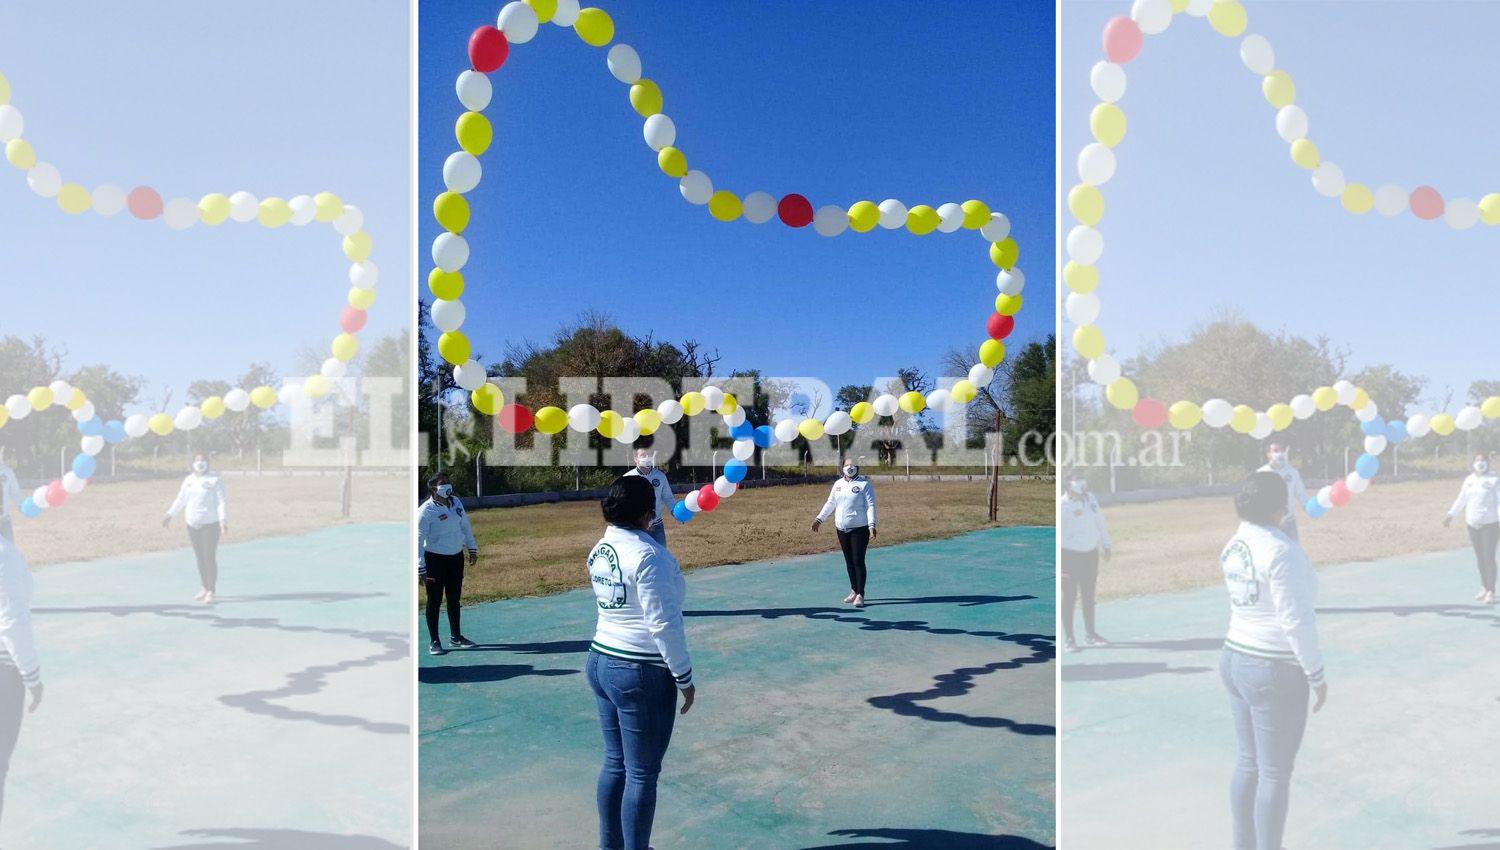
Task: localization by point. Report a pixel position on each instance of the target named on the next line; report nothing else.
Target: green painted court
(923, 721)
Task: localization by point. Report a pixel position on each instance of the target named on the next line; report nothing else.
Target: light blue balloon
(91, 427)
(29, 508)
(765, 437)
(742, 431)
(1315, 509)
(114, 432)
(1368, 466)
(681, 513)
(1395, 432)
(735, 469)
(1373, 428)
(84, 466)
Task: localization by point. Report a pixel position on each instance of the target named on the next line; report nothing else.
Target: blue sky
(1206, 210)
(276, 97)
(951, 103)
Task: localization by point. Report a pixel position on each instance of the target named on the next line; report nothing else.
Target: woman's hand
(166, 520)
(36, 697)
(1106, 552)
(873, 534)
(473, 557)
(1320, 693)
(223, 529)
(1447, 520)
(817, 524)
(688, 693)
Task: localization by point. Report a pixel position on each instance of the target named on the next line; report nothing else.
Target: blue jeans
(658, 532)
(637, 707)
(1269, 702)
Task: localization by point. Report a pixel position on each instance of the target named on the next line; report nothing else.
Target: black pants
(854, 542)
(1486, 539)
(1080, 575)
(206, 549)
(445, 575)
(12, 704)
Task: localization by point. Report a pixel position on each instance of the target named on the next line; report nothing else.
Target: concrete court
(1403, 756)
(278, 719)
(923, 721)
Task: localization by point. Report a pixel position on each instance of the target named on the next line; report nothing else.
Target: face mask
(647, 464)
(445, 491)
(850, 471)
(200, 466)
(1278, 458)
(1481, 466)
(1078, 487)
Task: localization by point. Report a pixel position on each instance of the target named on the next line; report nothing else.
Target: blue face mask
(445, 491)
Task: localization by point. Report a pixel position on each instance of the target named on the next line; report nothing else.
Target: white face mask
(850, 470)
(1481, 466)
(200, 466)
(1078, 487)
(646, 464)
(1278, 458)
(445, 491)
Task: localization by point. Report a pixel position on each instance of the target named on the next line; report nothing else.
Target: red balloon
(56, 495)
(514, 418)
(795, 211)
(352, 320)
(707, 498)
(1000, 326)
(1149, 413)
(1339, 494)
(488, 49)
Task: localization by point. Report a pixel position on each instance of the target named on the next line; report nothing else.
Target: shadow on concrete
(468, 674)
(848, 615)
(1482, 613)
(1116, 672)
(279, 839)
(1182, 645)
(929, 839)
(554, 647)
(1476, 833)
(960, 601)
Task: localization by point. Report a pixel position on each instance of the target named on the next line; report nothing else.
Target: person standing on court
(1271, 661)
(20, 667)
(637, 663)
(445, 541)
(1278, 461)
(1479, 499)
(645, 467)
(1085, 542)
(10, 498)
(851, 503)
(202, 501)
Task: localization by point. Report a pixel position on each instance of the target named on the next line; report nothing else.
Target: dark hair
(630, 497)
(435, 480)
(1262, 499)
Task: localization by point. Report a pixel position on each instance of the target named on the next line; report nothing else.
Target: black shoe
(436, 648)
(461, 642)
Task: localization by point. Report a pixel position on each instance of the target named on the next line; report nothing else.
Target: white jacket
(1479, 498)
(17, 642)
(1272, 596)
(852, 504)
(639, 589)
(1083, 528)
(10, 492)
(663, 489)
(1296, 491)
(202, 500)
(443, 531)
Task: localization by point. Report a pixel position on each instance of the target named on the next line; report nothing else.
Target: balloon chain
(1123, 39)
(488, 48)
(145, 203)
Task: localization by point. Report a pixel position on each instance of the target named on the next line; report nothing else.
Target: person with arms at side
(445, 542)
(1085, 542)
(20, 668)
(851, 503)
(10, 498)
(1479, 499)
(645, 467)
(638, 661)
(202, 501)
(1278, 460)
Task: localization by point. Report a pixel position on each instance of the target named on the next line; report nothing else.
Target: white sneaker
(852, 595)
(859, 601)
(198, 597)
(208, 598)
(1480, 595)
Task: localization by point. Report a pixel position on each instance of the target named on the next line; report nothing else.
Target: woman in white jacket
(20, 668)
(1479, 499)
(1271, 660)
(202, 502)
(851, 503)
(1085, 541)
(637, 663)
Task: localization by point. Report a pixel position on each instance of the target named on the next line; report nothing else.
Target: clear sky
(925, 104)
(277, 97)
(1206, 209)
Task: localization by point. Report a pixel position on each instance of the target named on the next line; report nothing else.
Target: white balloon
(1096, 164)
(886, 404)
(461, 172)
(660, 132)
(1325, 497)
(724, 487)
(1108, 81)
(1199, 8)
(92, 445)
(713, 397)
(1085, 245)
(1328, 180)
(566, 14)
(518, 21)
(364, 274)
(690, 501)
(743, 449)
(1263, 427)
(997, 228)
(759, 207)
(109, 200)
(180, 214)
(73, 484)
(39, 497)
(1346, 391)
(304, 210)
(1461, 213)
(470, 376)
(892, 214)
(786, 430)
(12, 123)
(1368, 412)
(735, 417)
(838, 422)
(696, 188)
(61, 390)
(1291, 123)
(243, 207)
(1355, 483)
(939, 400)
(1391, 200)
(334, 369)
(624, 63)
(670, 411)
(1152, 16)
(1082, 307)
(950, 215)
(450, 252)
(1469, 418)
(1257, 55)
(237, 400)
(350, 221)
(1418, 425)
(188, 418)
(630, 431)
(1303, 406)
(980, 375)
(44, 179)
(18, 406)
(1010, 281)
(583, 417)
(1375, 445)
(136, 425)
(1217, 412)
(84, 413)
(830, 220)
(474, 89)
(290, 394)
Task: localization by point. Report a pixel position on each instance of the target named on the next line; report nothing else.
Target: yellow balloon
(1088, 341)
(361, 299)
(1107, 122)
(445, 285)
(672, 161)
(4, 90)
(1361, 398)
(991, 352)
(357, 247)
(1007, 305)
(451, 211)
(724, 205)
(1491, 407)
(344, 347)
(862, 412)
(693, 403)
(610, 424)
(1227, 17)
(474, 133)
(274, 212)
(1357, 198)
(1184, 415)
(912, 401)
(1086, 203)
(649, 420)
(1443, 424)
(316, 386)
(21, 154)
(4, 416)
(1305, 154)
(1179, 6)
(1489, 208)
(1080, 278)
(1122, 394)
(74, 199)
(487, 399)
(544, 9)
(922, 219)
(963, 391)
(812, 429)
(645, 97)
(263, 397)
(1278, 88)
(212, 407)
(454, 347)
(976, 214)
(1244, 419)
(551, 420)
(41, 398)
(863, 217)
(729, 405)
(1005, 253)
(328, 206)
(1324, 398)
(1281, 416)
(213, 209)
(594, 27)
(76, 400)
(161, 425)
